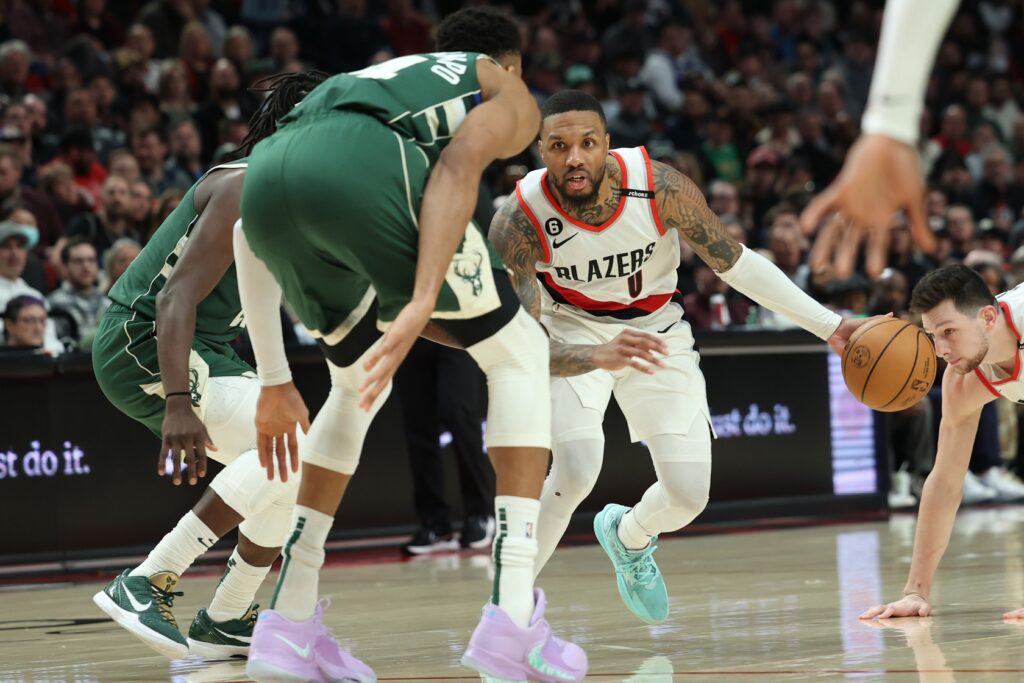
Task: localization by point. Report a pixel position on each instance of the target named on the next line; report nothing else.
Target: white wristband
(261, 301)
(911, 32)
(761, 281)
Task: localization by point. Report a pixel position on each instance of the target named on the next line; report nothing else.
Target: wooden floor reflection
(768, 606)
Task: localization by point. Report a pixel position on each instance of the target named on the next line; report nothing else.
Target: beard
(579, 202)
(968, 365)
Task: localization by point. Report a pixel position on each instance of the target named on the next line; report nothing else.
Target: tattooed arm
(513, 235)
(681, 206)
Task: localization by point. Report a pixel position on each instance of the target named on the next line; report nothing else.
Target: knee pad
(244, 486)
(335, 439)
(575, 467)
(269, 528)
(516, 361)
(230, 415)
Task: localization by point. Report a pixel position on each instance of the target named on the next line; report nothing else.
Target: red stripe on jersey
(536, 224)
(1016, 360)
(650, 186)
(650, 304)
(988, 385)
(592, 228)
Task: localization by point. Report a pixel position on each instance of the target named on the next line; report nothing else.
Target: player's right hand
(912, 605)
(278, 409)
(631, 348)
(880, 176)
(183, 433)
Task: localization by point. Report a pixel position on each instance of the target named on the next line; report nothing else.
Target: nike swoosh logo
(136, 605)
(536, 661)
(231, 636)
(204, 542)
(300, 651)
(556, 244)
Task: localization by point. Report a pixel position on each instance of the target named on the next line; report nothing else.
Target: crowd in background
(109, 112)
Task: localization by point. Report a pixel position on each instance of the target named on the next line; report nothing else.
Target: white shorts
(663, 403)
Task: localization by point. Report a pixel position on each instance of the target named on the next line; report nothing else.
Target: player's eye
(947, 333)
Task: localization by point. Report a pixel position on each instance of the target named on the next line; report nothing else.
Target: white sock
(297, 587)
(236, 589)
(514, 552)
(176, 552)
(632, 535)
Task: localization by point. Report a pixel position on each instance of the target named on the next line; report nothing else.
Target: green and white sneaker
(142, 606)
(640, 584)
(211, 639)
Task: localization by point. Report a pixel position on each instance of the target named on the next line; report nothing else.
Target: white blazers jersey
(991, 375)
(623, 270)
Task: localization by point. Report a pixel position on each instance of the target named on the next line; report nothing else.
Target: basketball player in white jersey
(979, 337)
(882, 171)
(592, 241)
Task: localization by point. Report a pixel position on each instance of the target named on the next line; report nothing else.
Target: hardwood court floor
(770, 606)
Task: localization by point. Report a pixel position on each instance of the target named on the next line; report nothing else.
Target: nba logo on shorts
(529, 529)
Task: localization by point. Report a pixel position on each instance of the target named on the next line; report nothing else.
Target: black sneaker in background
(426, 541)
(477, 532)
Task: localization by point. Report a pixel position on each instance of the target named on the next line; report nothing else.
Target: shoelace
(254, 613)
(165, 601)
(641, 567)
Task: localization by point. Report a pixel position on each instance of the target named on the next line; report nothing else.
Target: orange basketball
(889, 364)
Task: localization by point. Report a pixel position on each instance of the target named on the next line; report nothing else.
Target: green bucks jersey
(219, 315)
(422, 97)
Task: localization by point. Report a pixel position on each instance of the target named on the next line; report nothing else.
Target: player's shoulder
(510, 215)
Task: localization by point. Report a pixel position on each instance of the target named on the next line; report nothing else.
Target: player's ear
(989, 314)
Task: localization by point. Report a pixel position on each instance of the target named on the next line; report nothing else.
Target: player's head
(574, 145)
(484, 30)
(960, 313)
(285, 91)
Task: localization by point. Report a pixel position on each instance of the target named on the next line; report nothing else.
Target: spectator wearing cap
(631, 125)
(14, 195)
(79, 153)
(581, 77)
(719, 154)
(111, 222)
(15, 241)
(25, 323)
(79, 295)
(759, 194)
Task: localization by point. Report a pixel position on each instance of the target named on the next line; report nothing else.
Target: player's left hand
(842, 335)
(1015, 615)
(278, 410)
(382, 362)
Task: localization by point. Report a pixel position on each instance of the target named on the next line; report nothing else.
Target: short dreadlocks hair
(286, 90)
(479, 29)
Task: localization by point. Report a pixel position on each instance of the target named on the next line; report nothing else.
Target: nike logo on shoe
(300, 651)
(136, 605)
(536, 661)
(556, 244)
(228, 636)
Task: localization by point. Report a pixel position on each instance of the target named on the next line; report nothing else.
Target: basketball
(889, 364)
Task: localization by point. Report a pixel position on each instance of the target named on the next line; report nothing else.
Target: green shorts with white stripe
(124, 358)
(331, 205)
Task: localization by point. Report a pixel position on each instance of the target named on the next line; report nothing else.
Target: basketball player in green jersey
(366, 191)
(190, 388)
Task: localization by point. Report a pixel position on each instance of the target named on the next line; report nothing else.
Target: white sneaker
(975, 491)
(1006, 486)
(899, 493)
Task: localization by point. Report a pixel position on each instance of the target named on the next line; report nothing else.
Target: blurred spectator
(759, 188)
(631, 32)
(224, 103)
(903, 257)
(196, 56)
(785, 244)
(79, 295)
(124, 165)
(15, 241)
(166, 20)
(141, 50)
(238, 49)
(186, 150)
(117, 258)
(630, 125)
(407, 30)
(697, 304)
(57, 183)
(1002, 108)
(141, 210)
(668, 63)
(95, 20)
(960, 224)
(176, 101)
(35, 22)
(891, 294)
(953, 133)
(14, 65)
(81, 112)
(722, 159)
(15, 195)
(166, 203)
(111, 222)
(997, 190)
(350, 37)
(212, 22)
(25, 322)
(724, 198)
(150, 149)
(79, 153)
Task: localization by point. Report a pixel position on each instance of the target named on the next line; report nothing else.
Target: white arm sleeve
(911, 33)
(261, 301)
(758, 279)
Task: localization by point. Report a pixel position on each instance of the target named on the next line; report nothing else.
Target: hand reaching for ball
(841, 337)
